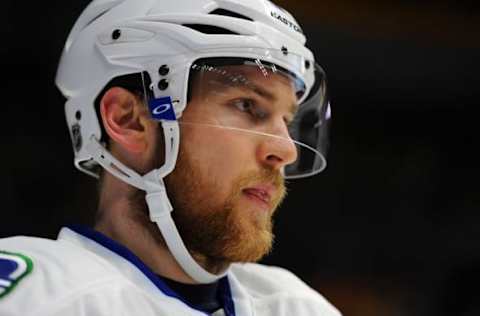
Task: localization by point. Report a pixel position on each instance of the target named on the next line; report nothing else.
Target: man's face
(227, 182)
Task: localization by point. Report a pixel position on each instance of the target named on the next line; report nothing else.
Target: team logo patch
(162, 109)
(13, 268)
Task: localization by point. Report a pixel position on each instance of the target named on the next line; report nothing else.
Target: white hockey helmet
(161, 44)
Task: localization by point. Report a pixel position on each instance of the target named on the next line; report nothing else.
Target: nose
(277, 149)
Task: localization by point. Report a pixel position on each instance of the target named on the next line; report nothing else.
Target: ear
(124, 120)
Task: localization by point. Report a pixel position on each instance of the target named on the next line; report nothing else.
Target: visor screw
(307, 64)
(284, 50)
(163, 84)
(116, 34)
(164, 70)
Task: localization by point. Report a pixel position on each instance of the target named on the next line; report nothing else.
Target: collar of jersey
(122, 251)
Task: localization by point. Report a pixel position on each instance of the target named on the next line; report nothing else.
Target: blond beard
(218, 233)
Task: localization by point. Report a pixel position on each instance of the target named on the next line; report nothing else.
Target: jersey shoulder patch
(13, 268)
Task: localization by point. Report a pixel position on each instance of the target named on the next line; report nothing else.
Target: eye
(244, 105)
(250, 107)
(288, 122)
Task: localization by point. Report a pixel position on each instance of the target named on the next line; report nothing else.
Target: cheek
(222, 155)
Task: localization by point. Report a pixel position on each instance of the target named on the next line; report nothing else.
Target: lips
(260, 193)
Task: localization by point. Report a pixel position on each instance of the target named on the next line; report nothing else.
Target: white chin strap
(156, 195)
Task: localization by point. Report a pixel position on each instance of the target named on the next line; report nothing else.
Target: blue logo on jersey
(13, 268)
(162, 109)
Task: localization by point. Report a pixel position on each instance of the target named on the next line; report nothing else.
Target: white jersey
(85, 273)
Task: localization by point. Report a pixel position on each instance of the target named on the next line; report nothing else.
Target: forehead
(264, 81)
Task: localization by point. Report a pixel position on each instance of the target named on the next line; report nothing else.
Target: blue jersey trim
(226, 297)
(112, 245)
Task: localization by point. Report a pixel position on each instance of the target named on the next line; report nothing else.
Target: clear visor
(269, 110)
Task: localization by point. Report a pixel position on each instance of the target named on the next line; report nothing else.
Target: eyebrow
(293, 108)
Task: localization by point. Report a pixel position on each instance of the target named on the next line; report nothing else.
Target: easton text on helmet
(286, 21)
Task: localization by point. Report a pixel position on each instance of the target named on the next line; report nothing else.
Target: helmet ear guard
(141, 46)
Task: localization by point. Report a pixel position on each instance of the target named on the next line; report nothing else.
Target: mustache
(272, 177)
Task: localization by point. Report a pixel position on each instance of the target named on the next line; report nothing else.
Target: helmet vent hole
(163, 84)
(78, 115)
(116, 34)
(230, 14)
(210, 29)
(163, 70)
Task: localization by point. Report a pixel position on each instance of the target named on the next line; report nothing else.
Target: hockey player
(191, 113)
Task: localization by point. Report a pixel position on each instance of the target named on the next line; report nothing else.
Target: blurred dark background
(390, 228)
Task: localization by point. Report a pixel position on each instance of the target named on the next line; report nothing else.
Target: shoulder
(263, 279)
(36, 272)
(60, 256)
(282, 289)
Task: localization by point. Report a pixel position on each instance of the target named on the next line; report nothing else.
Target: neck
(123, 218)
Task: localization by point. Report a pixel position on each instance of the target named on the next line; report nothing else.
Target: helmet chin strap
(159, 205)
